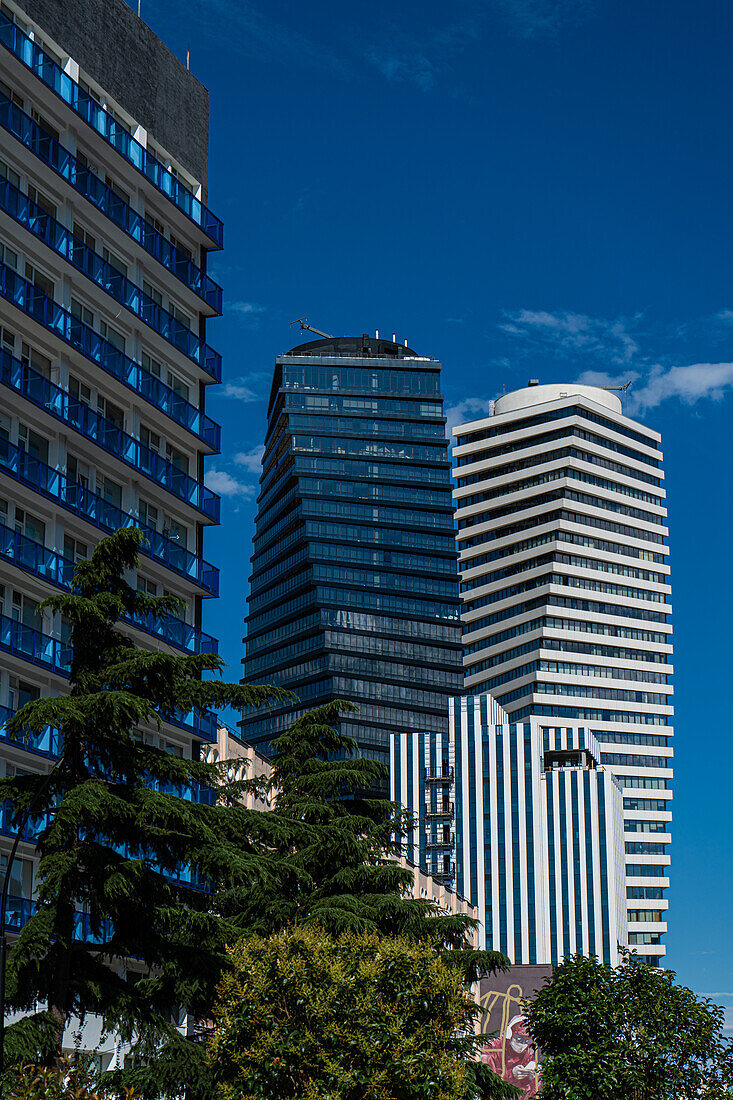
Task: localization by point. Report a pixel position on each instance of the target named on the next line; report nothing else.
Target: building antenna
(303, 322)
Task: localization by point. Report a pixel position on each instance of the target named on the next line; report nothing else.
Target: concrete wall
(121, 52)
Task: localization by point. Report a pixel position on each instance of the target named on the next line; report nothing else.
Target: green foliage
(629, 1033)
(336, 848)
(74, 1079)
(114, 834)
(360, 1016)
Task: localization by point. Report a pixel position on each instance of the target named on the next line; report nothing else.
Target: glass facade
(354, 585)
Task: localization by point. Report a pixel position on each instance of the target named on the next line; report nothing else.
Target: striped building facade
(526, 822)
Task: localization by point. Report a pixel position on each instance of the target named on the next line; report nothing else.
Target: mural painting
(511, 1052)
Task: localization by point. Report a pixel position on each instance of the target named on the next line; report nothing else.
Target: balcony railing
(33, 218)
(35, 559)
(434, 842)
(46, 743)
(20, 910)
(56, 486)
(32, 301)
(83, 180)
(21, 378)
(31, 645)
(436, 775)
(446, 811)
(112, 131)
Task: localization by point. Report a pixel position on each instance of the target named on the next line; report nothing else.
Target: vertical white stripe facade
(561, 510)
(536, 831)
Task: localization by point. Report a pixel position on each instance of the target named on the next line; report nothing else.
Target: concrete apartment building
(564, 559)
(104, 360)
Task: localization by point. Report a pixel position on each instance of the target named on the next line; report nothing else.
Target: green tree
(73, 1079)
(119, 848)
(629, 1033)
(360, 1016)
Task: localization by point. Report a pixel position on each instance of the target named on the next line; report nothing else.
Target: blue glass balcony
(84, 339)
(83, 180)
(82, 103)
(31, 645)
(37, 560)
(20, 910)
(21, 378)
(47, 743)
(43, 479)
(28, 214)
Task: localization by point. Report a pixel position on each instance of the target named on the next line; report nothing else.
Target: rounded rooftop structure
(368, 347)
(534, 394)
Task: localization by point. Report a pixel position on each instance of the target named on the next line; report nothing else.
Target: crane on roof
(303, 322)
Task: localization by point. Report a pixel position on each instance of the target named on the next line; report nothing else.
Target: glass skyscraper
(354, 585)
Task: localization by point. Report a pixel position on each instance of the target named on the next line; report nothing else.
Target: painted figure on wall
(511, 1052)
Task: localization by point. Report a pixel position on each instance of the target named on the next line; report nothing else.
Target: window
(25, 611)
(20, 693)
(111, 491)
(114, 260)
(180, 316)
(9, 174)
(77, 471)
(41, 364)
(115, 338)
(32, 443)
(181, 247)
(30, 526)
(74, 549)
(119, 191)
(44, 124)
(152, 292)
(7, 339)
(81, 312)
(146, 587)
(180, 611)
(85, 236)
(39, 280)
(7, 256)
(176, 531)
(111, 412)
(79, 390)
(148, 514)
(149, 439)
(173, 750)
(41, 200)
(159, 370)
(176, 458)
(156, 223)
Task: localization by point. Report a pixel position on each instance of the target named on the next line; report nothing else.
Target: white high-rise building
(526, 822)
(565, 587)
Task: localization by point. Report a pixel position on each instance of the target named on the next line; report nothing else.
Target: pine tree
(123, 840)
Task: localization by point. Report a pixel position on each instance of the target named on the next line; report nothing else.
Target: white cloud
(569, 334)
(470, 408)
(530, 18)
(689, 384)
(249, 313)
(219, 481)
(246, 388)
(250, 460)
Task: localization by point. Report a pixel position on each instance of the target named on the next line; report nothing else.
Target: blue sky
(521, 188)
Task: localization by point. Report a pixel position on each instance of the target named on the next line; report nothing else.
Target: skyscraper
(354, 584)
(104, 361)
(565, 587)
(526, 822)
